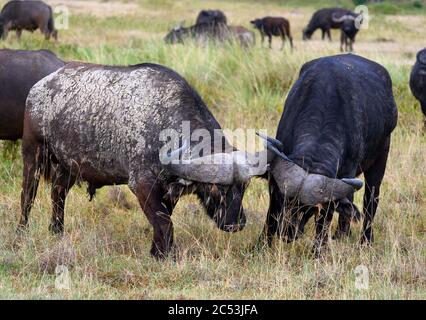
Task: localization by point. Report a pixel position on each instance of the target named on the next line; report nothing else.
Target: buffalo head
(307, 34)
(219, 180)
(308, 188)
(176, 35)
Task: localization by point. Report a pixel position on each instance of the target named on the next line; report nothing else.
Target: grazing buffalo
(19, 71)
(211, 17)
(323, 19)
(27, 15)
(273, 26)
(105, 125)
(348, 30)
(418, 80)
(244, 37)
(203, 33)
(337, 123)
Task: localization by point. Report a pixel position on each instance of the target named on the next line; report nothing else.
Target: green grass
(106, 247)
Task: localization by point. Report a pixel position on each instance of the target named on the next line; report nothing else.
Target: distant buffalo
(418, 80)
(349, 29)
(19, 71)
(273, 26)
(211, 17)
(27, 15)
(204, 33)
(337, 124)
(323, 19)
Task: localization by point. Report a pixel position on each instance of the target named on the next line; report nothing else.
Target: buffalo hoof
(319, 252)
(365, 241)
(261, 244)
(56, 229)
(340, 235)
(21, 229)
(161, 254)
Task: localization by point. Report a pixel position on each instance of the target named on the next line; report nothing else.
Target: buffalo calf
(273, 26)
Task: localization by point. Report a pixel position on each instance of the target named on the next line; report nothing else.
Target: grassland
(106, 247)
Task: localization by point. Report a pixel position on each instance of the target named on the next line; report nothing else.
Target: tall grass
(106, 246)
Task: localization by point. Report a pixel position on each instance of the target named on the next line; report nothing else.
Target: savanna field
(107, 241)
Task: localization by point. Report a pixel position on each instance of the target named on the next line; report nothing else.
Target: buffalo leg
(328, 34)
(283, 41)
(262, 38)
(322, 34)
(32, 157)
(342, 41)
(290, 38)
(344, 223)
(273, 216)
(158, 213)
(322, 226)
(44, 28)
(270, 41)
(373, 180)
(62, 181)
(19, 34)
(423, 106)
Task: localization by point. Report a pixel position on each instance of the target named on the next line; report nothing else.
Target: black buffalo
(273, 26)
(337, 123)
(27, 15)
(323, 19)
(348, 30)
(418, 80)
(211, 17)
(19, 71)
(105, 125)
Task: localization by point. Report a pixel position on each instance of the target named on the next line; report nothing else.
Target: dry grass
(106, 246)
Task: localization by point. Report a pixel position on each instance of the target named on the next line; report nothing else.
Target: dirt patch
(97, 8)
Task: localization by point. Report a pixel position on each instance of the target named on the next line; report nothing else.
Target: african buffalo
(337, 123)
(27, 15)
(273, 26)
(19, 71)
(203, 33)
(323, 19)
(348, 30)
(211, 17)
(105, 125)
(418, 80)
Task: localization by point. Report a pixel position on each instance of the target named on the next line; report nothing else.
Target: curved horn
(356, 183)
(310, 189)
(222, 168)
(166, 158)
(275, 146)
(421, 56)
(274, 141)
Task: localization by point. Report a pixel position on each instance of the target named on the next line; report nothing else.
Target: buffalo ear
(421, 56)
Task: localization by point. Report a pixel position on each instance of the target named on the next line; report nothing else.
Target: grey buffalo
(103, 125)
